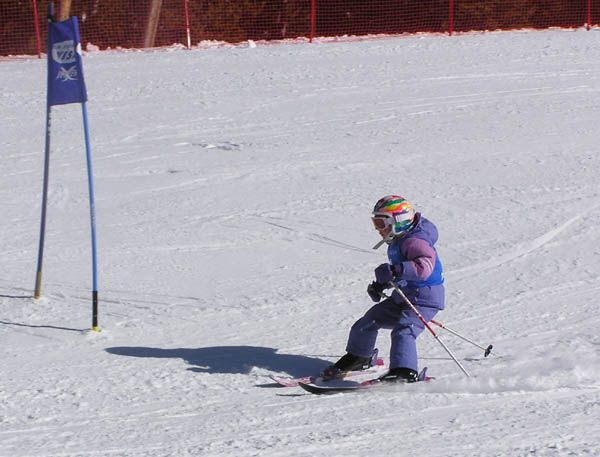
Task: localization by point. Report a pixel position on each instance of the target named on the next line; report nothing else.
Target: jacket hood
(424, 229)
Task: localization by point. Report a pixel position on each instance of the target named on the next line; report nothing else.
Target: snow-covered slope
(234, 188)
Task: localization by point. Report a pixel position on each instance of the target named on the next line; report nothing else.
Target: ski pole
(486, 350)
(428, 327)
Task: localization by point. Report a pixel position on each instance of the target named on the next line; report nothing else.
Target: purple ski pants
(394, 315)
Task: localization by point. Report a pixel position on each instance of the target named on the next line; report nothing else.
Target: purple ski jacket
(421, 275)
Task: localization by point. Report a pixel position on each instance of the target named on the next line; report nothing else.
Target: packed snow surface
(233, 193)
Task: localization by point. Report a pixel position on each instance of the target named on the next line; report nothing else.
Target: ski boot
(405, 375)
(350, 362)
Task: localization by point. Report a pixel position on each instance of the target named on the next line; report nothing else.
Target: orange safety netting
(129, 24)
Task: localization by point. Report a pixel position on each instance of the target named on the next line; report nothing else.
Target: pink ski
(376, 370)
(285, 381)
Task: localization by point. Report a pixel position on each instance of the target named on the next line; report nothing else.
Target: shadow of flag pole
(66, 85)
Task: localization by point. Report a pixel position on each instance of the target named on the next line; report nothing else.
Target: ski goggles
(382, 222)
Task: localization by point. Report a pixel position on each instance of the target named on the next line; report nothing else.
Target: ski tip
(313, 389)
(336, 389)
(291, 382)
(423, 377)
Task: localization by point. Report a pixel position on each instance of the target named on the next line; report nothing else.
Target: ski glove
(385, 273)
(375, 291)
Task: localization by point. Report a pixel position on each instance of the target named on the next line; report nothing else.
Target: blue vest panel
(436, 278)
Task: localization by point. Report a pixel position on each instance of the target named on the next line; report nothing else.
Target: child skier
(415, 267)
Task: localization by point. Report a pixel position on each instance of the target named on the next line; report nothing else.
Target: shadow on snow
(230, 359)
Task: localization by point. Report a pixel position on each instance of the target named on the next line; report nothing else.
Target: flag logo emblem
(64, 52)
(65, 70)
(67, 74)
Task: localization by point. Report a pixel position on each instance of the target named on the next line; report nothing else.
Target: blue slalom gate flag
(66, 85)
(65, 68)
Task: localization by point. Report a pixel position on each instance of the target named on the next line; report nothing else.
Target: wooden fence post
(152, 24)
(65, 10)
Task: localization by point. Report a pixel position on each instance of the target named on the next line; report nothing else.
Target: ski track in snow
(514, 252)
(233, 191)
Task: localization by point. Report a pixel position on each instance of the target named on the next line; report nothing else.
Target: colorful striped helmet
(394, 212)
